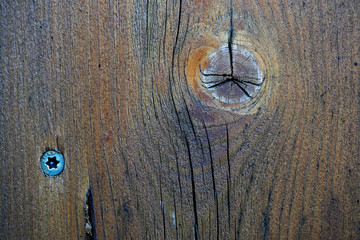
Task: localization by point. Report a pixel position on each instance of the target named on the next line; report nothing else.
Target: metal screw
(52, 163)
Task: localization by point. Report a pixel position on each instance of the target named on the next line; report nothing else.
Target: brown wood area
(113, 85)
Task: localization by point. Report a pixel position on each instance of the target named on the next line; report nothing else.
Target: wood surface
(110, 85)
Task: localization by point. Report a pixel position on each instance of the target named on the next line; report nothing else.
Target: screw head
(52, 163)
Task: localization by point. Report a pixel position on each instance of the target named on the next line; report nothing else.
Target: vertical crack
(89, 216)
(196, 224)
(231, 36)
(229, 174)
(214, 184)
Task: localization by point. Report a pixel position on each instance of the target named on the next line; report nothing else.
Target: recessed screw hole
(52, 162)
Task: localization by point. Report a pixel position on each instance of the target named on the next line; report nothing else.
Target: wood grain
(107, 83)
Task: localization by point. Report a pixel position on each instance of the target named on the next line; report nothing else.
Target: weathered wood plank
(114, 86)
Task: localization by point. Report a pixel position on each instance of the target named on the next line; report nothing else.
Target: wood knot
(231, 75)
(228, 75)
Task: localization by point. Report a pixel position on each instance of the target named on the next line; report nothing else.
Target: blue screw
(52, 163)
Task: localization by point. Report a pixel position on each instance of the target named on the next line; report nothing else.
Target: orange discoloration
(197, 58)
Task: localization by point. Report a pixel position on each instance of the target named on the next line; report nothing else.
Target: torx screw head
(52, 163)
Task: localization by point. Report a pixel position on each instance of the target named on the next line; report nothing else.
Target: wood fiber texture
(107, 83)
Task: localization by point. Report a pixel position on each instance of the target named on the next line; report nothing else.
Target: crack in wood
(89, 216)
